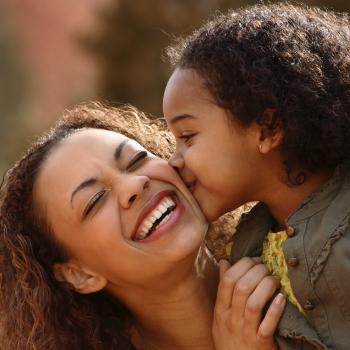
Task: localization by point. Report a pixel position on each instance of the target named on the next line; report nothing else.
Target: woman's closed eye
(97, 197)
(93, 201)
(136, 161)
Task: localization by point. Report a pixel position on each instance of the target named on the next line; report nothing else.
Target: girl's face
(217, 159)
(120, 211)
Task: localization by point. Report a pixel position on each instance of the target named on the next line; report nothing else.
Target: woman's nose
(132, 188)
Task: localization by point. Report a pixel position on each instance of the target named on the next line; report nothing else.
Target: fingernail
(223, 262)
(279, 298)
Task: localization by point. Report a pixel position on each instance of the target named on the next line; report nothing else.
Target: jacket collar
(250, 232)
(321, 198)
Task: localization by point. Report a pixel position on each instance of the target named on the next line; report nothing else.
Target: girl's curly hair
(37, 312)
(292, 59)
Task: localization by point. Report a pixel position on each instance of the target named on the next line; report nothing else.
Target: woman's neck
(177, 317)
(182, 321)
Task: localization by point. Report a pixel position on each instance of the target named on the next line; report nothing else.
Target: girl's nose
(132, 188)
(176, 161)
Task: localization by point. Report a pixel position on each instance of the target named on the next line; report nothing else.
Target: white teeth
(156, 213)
(166, 218)
(147, 225)
(147, 222)
(169, 202)
(163, 207)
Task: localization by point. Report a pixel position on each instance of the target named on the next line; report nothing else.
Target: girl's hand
(243, 292)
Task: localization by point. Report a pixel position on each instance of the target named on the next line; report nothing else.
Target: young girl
(259, 103)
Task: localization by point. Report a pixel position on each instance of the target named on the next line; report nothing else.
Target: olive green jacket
(317, 253)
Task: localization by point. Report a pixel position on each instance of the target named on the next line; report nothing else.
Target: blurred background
(54, 54)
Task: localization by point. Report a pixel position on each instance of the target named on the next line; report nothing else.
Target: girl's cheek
(192, 158)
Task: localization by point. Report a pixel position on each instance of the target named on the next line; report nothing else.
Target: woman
(99, 241)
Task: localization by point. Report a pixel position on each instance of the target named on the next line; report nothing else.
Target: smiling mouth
(155, 218)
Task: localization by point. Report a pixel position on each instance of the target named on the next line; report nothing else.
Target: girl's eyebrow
(180, 117)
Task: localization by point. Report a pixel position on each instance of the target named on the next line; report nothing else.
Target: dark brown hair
(292, 59)
(38, 312)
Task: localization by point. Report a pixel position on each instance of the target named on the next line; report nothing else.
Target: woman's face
(119, 210)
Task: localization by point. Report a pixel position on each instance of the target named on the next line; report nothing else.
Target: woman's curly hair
(38, 312)
(292, 59)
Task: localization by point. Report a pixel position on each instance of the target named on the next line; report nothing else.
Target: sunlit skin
(223, 163)
(102, 251)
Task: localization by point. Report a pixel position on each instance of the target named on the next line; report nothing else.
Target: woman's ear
(271, 134)
(82, 280)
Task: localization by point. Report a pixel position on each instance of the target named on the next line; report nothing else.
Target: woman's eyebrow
(118, 151)
(91, 181)
(84, 184)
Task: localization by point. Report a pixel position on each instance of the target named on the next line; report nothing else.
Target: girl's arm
(244, 290)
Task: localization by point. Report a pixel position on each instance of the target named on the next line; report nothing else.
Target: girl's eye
(186, 136)
(135, 161)
(92, 202)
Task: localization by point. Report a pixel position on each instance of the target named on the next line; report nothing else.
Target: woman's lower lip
(164, 228)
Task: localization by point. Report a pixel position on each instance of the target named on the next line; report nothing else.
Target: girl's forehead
(184, 78)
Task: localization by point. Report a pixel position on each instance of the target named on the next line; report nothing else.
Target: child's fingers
(224, 265)
(259, 298)
(245, 287)
(269, 323)
(228, 281)
(257, 259)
